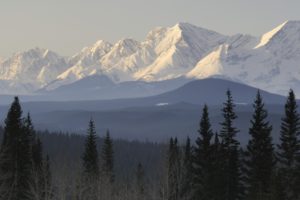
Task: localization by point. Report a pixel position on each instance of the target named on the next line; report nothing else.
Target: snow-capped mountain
(273, 64)
(27, 71)
(178, 51)
(166, 53)
(270, 62)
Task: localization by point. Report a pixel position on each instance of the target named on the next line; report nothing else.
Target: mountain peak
(34, 54)
(36, 51)
(125, 46)
(126, 42)
(184, 25)
(100, 45)
(287, 26)
(292, 22)
(187, 27)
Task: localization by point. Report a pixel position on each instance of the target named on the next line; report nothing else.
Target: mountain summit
(269, 62)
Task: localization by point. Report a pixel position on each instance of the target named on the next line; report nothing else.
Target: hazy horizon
(67, 26)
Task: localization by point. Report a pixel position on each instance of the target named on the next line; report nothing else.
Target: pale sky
(66, 26)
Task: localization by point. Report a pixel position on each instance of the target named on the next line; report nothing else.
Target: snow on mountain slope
(270, 62)
(211, 65)
(100, 59)
(89, 55)
(165, 53)
(265, 39)
(27, 71)
(179, 50)
(272, 65)
(283, 41)
(81, 65)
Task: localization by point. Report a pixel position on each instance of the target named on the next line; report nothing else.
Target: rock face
(271, 62)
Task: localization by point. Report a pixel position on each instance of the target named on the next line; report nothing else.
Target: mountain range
(168, 58)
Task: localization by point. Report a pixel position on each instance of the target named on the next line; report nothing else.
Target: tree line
(216, 167)
(213, 167)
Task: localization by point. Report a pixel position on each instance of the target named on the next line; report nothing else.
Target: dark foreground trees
(202, 160)
(21, 163)
(16, 164)
(259, 158)
(88, 189)
(213, 167)
(289, 150)
(230, 157)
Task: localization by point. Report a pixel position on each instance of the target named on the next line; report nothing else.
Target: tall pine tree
(289, 149)
(218, 183)
(187, 175)
(90, 155)
(37, 159)
(108, 158)
(48, 192)
(90, 165)
(231, 162)
(140, 182)
(173, 170)
(15, 157)
(202, 160)
(259, 156)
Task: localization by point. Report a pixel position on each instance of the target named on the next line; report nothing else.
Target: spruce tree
(38, 174)
(15, 157)
(90, 164)
(37, 158)
(259, 156)
(29, 129)
(289, 149)
(187, 175)
(231, 162)
(173, 170)
(202, 160)
(37, 155)
(218, 180)
(90, 155)
(108, 158)
(47, 181)
(140, 184)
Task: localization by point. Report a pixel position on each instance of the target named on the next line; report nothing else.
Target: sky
(66, 26)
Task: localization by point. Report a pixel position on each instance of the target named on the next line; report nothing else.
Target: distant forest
(42, 165)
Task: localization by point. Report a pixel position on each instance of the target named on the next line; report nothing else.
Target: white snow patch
(162, 104)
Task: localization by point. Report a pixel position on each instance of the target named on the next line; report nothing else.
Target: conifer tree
(90, 155)
(140, 184)
(15, 157)
(202, 160)
(37, 159)
(231, 162)
(259, 156)
(90, 165)
(38, 174)
(187, 176)
(218, 182)
(173, 170)
(37, 155)
(108, 158)
(289, 149)
(29, 129)
(47, 181)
